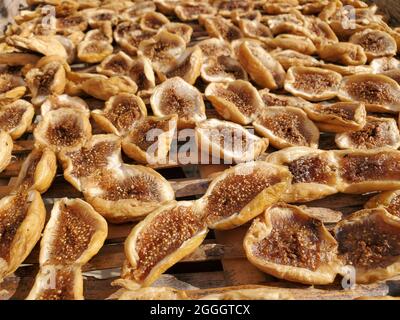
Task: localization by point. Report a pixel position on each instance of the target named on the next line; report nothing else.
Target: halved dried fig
(71, 23)
(275, 7)
(176, 96)
(12, 86)
(55, 102)
(153, 21)
(236, 101)
(254, 29)
(191, 10)
(98, 17)
(377, 133)
(337, 117)
(102, 151)
(102, 34)
(120, 113)
(346, 53)
(289, 244)
(313, 84)
(280, 100)
(104, 88)
(237, 15)
(37, 171)
(136, 9)
(73, 235)
(362, 171)
(46, 45)
(376, 43)
(319, 31)
(292, 22)
(369, 241)
(181, 29)
(222, 28)
(261, 66)
(215, 47)
(297, 43)
(126, 193)
(222, 69)
(243, 192)
(62, 129)
(389, 200)
(94, 51)
(225, 7)
(291, 58)
(149, 141)
(142, 73)
(22, 218)
(67, 283)
(229, 141)
(73, 86)
(187, 66)
(164, 237)
(378, 92)
(15, 118)
(128, 35)
(314, 173)
(286, 127)
(166, 6)
(380, 65)
(6, 147)
(47, 78)
(163, 49)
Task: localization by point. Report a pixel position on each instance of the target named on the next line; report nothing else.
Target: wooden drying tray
(214, 267)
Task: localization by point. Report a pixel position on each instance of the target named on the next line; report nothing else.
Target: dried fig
(6, 144)
(222, 69)
(345, 53)
(16, 118)
(153, 21)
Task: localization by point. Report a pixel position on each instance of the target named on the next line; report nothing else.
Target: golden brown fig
(312, 84)
(176, 96)
(136, 9)
(376, 43)
(47, 78)
(6, 147)
(94, 51)
(236, 101)
(46, 45)
(64, 101)
(163, 50)
(236, 15)
(378, 92)
(225, 7)
(153, 21)
(64, 128)
(181, 29)
(170, 233)
(67, 283)
(254, 29)
(37, 171)
(388, 200)
(286, 127)
(297, 43)
(149, 141)
(380, 65)
(191, 10)
(142, 73)
(291, 58)
(214, 47)
(278, 6)
(166, 6)
(377, 133)
(314, 173)
(22, 221)
(120, 113)
(345, 53)
(102, 34)
(71, 23)
(104, 88)
(153, 293)
(369, 241)
(222, 69)
(16, 118)
(243, 192)
(98, 17)
(18, 59)
(289, 244)
(222, 28)
(127, 192)
(319, 31)
(187, 66)
(337, 117)
(346, 70)
(128, 35)
(102, 151)
(362, 171)
(229, 141)
(73, 235)
(261, 66)
(280, 100)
